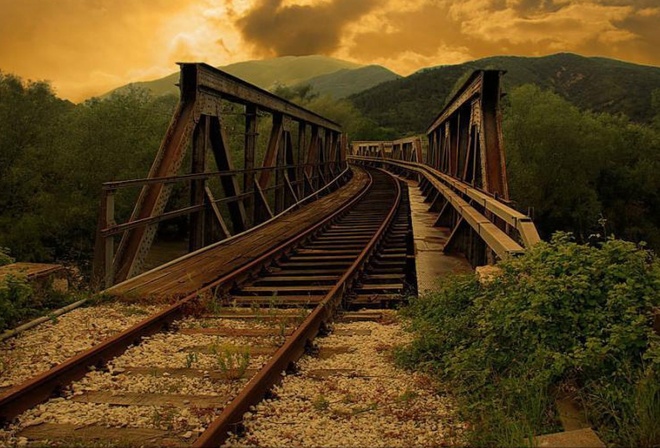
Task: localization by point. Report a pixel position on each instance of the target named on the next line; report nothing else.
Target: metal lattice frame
(198, 123)
(464, 174)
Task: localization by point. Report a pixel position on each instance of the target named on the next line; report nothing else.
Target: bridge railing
(302, 153)
(408, 149)
(463, 175)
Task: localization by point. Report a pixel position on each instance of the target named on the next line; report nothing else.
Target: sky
(88, 47)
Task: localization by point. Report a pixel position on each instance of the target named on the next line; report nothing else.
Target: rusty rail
(42, 387)
(295, 345)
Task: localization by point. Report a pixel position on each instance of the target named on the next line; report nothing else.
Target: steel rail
(295, 344)
(40, 388)
(298, 204)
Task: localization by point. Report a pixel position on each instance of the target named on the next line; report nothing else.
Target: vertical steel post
(109, 248)
(251, 135)
(197, 187)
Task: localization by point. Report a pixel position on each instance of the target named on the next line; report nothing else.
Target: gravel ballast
(162, 366)
(369, 402)
(40, 348)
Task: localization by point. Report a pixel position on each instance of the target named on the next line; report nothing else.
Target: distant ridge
(289, 71)
(346, 82)
(407, 105)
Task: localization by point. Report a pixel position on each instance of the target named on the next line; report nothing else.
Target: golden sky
(87, 47)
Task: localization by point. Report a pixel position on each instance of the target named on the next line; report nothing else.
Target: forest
(584, 172)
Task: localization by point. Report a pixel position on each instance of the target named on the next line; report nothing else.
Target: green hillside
(408, 105)
(287, 70)
(346, 82)
(268, 73)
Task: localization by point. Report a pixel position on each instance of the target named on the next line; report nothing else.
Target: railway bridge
(284, 211)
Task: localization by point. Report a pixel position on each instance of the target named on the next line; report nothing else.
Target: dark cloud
(644, 25)
(469, 29)
(298, 30)
(530, 7)
(637, 4)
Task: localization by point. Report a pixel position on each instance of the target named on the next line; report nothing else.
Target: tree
(552, 160)
(582, 172)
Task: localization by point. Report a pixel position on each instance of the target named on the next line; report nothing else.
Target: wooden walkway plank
(142, 399)
(193, 272)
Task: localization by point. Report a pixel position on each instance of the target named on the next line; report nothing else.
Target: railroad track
(189, 384)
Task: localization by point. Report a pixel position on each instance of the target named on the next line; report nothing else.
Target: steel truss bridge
(280, 207)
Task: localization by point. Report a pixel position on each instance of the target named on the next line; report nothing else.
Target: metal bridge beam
(464, 165)
(199, 119)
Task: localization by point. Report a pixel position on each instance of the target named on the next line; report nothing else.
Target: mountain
(346, 82)
(408, 105)
(289, 71)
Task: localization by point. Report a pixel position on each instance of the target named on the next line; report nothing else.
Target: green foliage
(571, 167)
(562, 315)
(4, 256)
(233, 361)
(19, 301)
(320, 403)
(340, 111)
(410, 104)
(15, 301)
(54, 157)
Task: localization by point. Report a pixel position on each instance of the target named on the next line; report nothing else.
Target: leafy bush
(4, 256)
(562, 316)
(19, 301)
(15, 300)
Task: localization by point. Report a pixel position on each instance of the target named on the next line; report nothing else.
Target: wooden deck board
(94, 433)
(142, 399)
(29, 270)
(188, 274)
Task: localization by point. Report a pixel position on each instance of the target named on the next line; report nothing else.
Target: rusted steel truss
(301, 154)
(465, 140)
(464, 175)
(408, 149)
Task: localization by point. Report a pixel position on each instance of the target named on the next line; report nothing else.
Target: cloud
(446, 31)
(277, 29)
(87, 47)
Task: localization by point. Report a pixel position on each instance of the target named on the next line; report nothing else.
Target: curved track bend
(359, 254)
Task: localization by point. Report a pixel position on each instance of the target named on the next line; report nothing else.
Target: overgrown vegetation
(4, 257)
(563, 317)
(54, 156)
(20, 301)
(582, 172)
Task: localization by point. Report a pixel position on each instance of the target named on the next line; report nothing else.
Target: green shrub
(4, 257)
(563, 315)
(15, 300)
(19, 301)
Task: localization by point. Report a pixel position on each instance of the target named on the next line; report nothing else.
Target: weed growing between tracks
(233, 362)
(563, 318)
